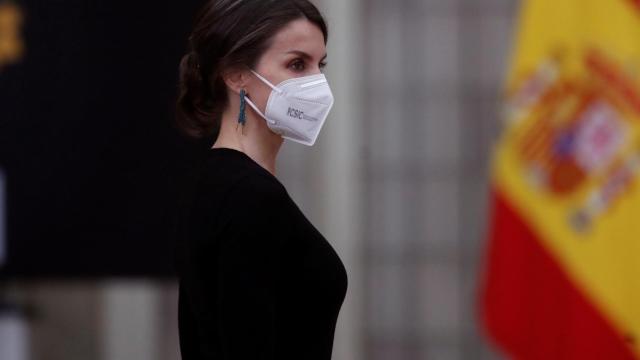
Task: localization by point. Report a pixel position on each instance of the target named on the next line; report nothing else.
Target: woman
(257, 280)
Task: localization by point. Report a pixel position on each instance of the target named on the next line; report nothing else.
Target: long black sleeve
(249, 270)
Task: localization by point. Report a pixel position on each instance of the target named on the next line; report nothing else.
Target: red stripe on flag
(529, 306)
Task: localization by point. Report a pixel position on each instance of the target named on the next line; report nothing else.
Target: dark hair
(227, 34)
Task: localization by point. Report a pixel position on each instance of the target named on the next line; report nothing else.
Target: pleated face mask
(297, 107)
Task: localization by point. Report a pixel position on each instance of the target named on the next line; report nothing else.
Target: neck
(256, 139)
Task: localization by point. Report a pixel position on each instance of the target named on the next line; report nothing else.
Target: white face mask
(297, 107)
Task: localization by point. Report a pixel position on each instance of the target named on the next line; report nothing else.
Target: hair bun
(194, 113)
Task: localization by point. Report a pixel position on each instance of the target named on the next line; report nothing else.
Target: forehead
(301, 35)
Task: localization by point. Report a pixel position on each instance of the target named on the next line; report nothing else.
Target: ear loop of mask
(256, 110)
(279, 91)
(254, 105)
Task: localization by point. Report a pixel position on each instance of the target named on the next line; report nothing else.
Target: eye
(322, 65)
(297, 65)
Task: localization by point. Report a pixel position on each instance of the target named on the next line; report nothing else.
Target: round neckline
(226, 149)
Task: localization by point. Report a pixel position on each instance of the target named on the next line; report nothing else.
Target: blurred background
(397, 182)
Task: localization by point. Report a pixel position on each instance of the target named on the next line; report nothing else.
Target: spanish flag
(562, 272)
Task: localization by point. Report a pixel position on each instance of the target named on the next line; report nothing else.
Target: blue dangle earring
(242, 117)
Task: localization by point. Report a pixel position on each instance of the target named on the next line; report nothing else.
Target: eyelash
(300, 61)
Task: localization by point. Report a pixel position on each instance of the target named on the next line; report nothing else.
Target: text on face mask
(299, 114)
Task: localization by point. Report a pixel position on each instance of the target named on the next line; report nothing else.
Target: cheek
(258, 91)
(276, 71)
(259, 94)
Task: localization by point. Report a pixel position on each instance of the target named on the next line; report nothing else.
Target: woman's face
(296, 50)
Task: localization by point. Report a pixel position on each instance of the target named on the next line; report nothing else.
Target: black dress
(257, 279)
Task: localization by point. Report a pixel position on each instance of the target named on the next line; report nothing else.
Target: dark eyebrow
(304, 54)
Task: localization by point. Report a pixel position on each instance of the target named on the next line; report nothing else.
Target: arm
(248, 273)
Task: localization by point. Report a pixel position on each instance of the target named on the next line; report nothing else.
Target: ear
(236, 79)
